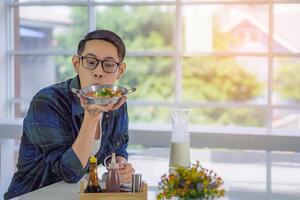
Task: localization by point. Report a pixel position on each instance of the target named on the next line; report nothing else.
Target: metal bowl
(102, 100)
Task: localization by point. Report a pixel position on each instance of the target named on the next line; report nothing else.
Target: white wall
(2, 60)
(6, 152)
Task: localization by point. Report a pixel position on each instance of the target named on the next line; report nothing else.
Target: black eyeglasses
(91, 63)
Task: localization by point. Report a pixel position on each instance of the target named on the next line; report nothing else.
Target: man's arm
(83, 143)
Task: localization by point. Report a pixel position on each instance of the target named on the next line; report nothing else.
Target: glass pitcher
(180, 139)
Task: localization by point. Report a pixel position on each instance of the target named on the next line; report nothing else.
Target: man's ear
(121, 70)
(76, 62)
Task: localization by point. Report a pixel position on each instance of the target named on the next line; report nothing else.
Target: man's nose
(98, 75)
(98, 72)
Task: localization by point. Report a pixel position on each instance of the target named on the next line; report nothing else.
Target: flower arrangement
(188, 183)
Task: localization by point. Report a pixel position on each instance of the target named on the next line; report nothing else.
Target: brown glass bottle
(93, 185)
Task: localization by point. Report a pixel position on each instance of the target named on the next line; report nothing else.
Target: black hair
(105, 35)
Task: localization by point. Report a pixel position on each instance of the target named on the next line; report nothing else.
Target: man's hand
(95, 109)
(126, 170)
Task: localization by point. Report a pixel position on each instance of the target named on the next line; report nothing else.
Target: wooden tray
(114, 196)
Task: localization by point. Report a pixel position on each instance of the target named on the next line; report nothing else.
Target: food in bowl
(103, 94)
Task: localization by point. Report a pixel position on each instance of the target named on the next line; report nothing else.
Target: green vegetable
(104, 93)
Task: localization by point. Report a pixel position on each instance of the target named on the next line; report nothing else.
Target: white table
(152, 163)
(57, 191)
(243, 180)
(62, 191)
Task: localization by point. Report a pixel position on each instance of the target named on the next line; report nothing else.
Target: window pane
(141, 27)
(153, 76)
(211, 28)
(230, 117)
(228, 1)
(62, 29)
(148, 114)
(286, 28)
(21, 1)
(286, 119)
(286, 81)
(101, 1)
(223, 79)
(286, 175)
(243, 171)
(33, 73)
(36, 72)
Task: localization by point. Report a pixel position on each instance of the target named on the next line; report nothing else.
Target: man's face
(102, 50)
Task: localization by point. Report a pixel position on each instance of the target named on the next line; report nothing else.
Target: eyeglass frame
(101, 62)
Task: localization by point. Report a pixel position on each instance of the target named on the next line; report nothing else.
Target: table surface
(57, 191)
(244, 174)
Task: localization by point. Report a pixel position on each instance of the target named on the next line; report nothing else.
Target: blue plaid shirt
(49, 130)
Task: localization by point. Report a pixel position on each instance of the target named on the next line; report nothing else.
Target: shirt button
(107, 116)
(118, 143)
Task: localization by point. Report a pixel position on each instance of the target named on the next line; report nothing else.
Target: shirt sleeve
(48, 127)
(122, 151)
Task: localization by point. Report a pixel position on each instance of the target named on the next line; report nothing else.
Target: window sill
(159, 135)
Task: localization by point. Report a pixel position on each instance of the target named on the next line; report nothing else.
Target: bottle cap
(113, 164)
(93, 159)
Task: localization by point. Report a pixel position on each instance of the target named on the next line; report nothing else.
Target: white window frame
(3, 56)
(177, 54)
(262, 139)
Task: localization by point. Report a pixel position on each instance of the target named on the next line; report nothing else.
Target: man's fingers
(125, 178)
(126, 171)
(83, 101)
(120, 103)
(126, 168)
(124, 165)
(108, 107)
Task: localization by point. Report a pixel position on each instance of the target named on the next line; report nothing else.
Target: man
(60, 128)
